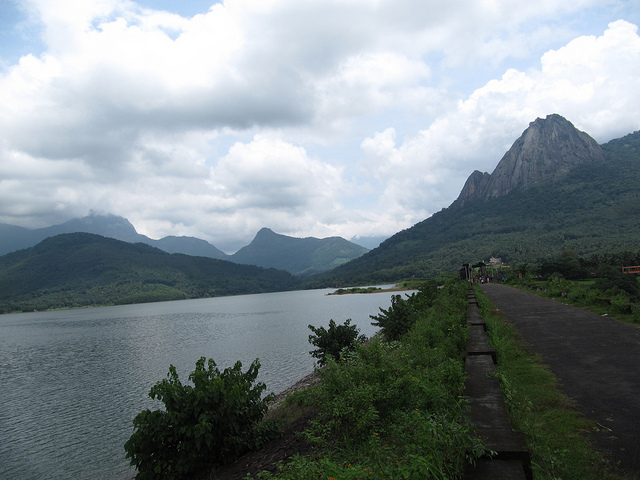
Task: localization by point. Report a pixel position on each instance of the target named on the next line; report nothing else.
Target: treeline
(75, 270)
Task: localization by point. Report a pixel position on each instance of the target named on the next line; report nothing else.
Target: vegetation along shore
(390, 407)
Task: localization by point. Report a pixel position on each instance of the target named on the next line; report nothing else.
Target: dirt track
(597, 360)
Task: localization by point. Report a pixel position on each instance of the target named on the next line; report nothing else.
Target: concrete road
(596, 359)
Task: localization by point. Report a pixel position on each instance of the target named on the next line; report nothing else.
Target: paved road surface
(596, 358)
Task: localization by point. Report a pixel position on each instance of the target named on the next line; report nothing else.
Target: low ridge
(268, 249)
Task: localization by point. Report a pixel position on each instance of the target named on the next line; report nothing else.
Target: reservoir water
(71, 381)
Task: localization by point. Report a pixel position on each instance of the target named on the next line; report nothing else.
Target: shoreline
(305, 382)
(366, 291)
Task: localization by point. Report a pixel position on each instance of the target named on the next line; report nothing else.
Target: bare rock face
(546, 151)
(477, 182)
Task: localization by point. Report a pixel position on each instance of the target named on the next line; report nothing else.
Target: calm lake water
(72, 381)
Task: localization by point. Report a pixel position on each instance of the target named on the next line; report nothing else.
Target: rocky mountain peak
(107, 225)
(545, 151)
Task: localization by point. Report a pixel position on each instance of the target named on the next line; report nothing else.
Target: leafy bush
(620, 303)
(212, 422)
(331, 343)
(612, 278)
(397, 319)
(380, 380)
(423, 371)
(419, 445)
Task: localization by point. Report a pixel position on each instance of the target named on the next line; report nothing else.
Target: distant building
(493, 261)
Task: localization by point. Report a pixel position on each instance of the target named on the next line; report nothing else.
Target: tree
(397, 319)
(210, 423)
(331, 343)
(567, 264)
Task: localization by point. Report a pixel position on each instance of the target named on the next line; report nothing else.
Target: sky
(352, 118)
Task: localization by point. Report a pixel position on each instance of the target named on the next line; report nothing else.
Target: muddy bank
(290, 443)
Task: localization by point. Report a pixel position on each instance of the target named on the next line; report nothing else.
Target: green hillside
(81, 269)
(594, 209)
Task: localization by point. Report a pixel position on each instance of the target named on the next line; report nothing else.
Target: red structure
(634, 270)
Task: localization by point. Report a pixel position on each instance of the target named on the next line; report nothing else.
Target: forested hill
(593, 208)
(300, 256)
(82, 269)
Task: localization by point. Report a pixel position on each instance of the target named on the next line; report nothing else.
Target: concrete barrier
(478, 344)
(474, 318)
(488, 411)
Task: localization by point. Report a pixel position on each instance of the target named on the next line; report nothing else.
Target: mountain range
(300, 256)
(556, 189)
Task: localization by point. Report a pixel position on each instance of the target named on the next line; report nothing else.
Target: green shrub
(381, 379)
(393, 409)
(397, 319)
(613, 278)
(331, 343)
(419, 445)
(579, 294)
(210, 423)
(355, 397)
(620, 303)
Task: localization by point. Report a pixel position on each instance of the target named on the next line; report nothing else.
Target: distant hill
(188, 246)
(110, 226)
(555, 190)
(300, 256)
(296, 255)
(81, 269)
(368, 242)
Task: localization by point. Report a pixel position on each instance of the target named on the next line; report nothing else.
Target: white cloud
(274, 174)
(368, 83)
(204, 125)
(593, 81)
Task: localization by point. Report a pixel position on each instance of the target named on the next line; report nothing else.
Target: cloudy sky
(355, 118)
